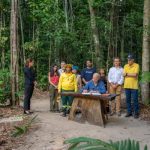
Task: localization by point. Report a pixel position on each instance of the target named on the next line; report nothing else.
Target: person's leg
(135, 101)
(70, 101)
(128, 102)
(112, 103)
(30, 95)
(64, 104)
(55, 101)
(118, 100)
(26, 97)
(52, 97)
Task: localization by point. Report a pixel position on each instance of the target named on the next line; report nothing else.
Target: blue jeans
(132, 94)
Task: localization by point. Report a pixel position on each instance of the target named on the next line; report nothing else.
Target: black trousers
(27, 96)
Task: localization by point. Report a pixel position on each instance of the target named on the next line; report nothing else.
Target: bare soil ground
(54, 129)
(7, 142)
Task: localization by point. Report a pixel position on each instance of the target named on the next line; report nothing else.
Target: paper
(96, 94)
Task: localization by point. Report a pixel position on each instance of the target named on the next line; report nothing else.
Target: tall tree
(14, 50)
(95, 34)
(146, 50)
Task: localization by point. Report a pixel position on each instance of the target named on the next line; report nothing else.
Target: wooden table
(89, 108)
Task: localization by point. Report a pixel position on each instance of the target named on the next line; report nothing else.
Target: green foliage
(145, 77)
(20, 130)
(5, 91)
(84, 143)
(47, 37)
(43, 82)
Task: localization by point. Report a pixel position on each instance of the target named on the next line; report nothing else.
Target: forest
(51, 31)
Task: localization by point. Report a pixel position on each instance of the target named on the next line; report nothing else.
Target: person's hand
(124, 74)
(113, 86)
(85, 91)
(35, 83)
(56, 87)
(106, 94)
(59, 92)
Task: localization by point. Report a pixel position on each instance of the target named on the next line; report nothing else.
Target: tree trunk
(146, 51)
(14, 49)
(22, 34)
(3, 50)
(122, 43)
(3, 58)
(66, 15)
(95, 35)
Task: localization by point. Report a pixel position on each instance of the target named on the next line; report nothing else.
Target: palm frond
(85, 143)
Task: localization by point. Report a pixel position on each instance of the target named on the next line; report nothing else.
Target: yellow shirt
(130, 82)
(67, 81)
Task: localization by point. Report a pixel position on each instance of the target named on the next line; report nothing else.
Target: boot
(64, 112)
(68, 111)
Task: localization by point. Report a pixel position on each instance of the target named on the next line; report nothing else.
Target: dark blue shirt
(29, 75)
(100, 87)
(87, 73)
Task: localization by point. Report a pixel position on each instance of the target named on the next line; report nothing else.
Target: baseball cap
(130, 56)
(75, 68)
(69, 66)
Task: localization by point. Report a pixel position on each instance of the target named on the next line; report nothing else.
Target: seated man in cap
(131, 72)
(95, 85)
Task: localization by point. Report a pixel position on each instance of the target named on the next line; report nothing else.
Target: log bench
(90, 108)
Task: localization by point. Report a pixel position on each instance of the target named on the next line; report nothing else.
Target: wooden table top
(96, 97)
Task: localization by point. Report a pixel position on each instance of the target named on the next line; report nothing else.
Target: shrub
(5, 87)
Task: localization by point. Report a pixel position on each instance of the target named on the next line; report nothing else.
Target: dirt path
(53, 129)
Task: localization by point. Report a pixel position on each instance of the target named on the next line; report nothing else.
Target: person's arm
(60, 84)
(102, 88)
(49, 79)
(109, 78)
(84, 81)
(133, 75)
(120, 82)
(80, 82)
(124, 71)
(75, 83)
(82, 76)
(126, 74)
(94, 70)
(59, 71)
(86, 88)
(27, 73)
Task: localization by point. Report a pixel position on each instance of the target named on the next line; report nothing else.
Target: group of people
(69, 79)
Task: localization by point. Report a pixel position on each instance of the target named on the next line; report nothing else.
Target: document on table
(96, 94)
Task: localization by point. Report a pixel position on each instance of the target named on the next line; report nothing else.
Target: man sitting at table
(95, 85)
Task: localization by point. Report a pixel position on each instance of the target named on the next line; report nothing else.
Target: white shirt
(60, 71)
(115, 75)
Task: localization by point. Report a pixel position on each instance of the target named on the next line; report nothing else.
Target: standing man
(115, 79)
(131, 72)
(62, 69)
(87, 73)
